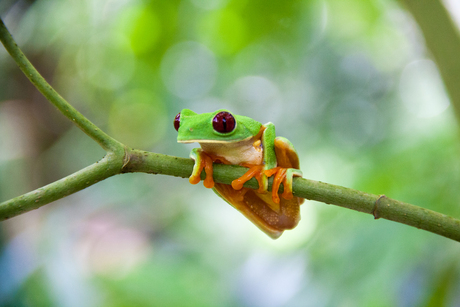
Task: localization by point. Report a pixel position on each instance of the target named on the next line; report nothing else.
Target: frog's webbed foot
(257, 172)
(282, 175)
(202, 161)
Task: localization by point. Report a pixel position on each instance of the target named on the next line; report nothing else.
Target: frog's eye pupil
(223, 122)
(177, 121)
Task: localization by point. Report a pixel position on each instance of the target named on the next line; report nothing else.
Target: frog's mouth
(186, 141)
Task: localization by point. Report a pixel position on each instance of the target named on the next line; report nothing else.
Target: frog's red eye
(177, 121)
(223, 122)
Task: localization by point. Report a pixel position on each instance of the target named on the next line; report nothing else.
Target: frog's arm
(269, 161)
(202, 160)
(268, 141)
(280, 159)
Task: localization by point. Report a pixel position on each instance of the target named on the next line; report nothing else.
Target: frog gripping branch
(240, 140)
(225, 139)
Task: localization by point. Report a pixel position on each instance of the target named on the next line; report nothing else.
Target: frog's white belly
(236, 152)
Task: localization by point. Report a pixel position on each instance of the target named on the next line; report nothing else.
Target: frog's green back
(252, 125)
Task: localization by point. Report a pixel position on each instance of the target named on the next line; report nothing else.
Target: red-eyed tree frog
(234, 139)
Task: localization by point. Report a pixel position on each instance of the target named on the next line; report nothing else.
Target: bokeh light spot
(256, 93)
(421, 89)
(353, 122)
(189, 70)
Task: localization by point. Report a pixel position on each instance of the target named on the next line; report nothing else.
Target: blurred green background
(349, 82)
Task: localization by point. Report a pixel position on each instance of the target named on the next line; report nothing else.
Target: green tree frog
(240, 140)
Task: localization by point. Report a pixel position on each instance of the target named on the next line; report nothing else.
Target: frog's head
(220, 126)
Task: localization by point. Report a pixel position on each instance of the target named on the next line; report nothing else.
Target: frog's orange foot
(202, 161)
(254, 171)
(282, 175)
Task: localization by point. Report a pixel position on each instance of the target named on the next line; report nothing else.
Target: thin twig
(122, 160)
(375, 205)
(78, 181)
(147, 162)
(104, 140)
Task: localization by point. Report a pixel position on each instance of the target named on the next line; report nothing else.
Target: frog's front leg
(282, 175)
(257, 172)
(202, 160)
(280, 160)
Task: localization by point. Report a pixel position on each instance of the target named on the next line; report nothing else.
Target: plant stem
(377, 205)
(104, 140)
(146, 162)
(78, 181)
(123, 160)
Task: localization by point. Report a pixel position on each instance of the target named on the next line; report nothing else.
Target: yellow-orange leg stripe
(279, 177)
(287, 193)
(195, 177)
(208, 181)
(255, 171)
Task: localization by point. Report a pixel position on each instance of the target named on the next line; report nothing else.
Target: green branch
(78, 181)
(378, 206)
(104, 140)
(120, 160)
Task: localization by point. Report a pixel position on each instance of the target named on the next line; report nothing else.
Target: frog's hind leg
(286, 155)
(253, 208)
(287, 158)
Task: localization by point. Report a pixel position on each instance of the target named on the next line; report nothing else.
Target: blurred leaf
(143, 27)
(224, 31)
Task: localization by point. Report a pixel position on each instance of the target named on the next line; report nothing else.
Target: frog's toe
(282, 175)
(202, 161)
(254, 171)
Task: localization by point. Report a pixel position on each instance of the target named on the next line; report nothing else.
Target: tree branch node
(375, 211)
(126, 158)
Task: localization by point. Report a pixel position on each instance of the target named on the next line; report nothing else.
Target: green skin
(232, 146)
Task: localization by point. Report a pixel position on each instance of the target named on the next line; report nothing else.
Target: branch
(104, 140)
(78, 181)
(379, 206)
(443, 40)
(120, 160)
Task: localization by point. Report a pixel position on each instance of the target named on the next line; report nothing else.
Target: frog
(228, 138)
